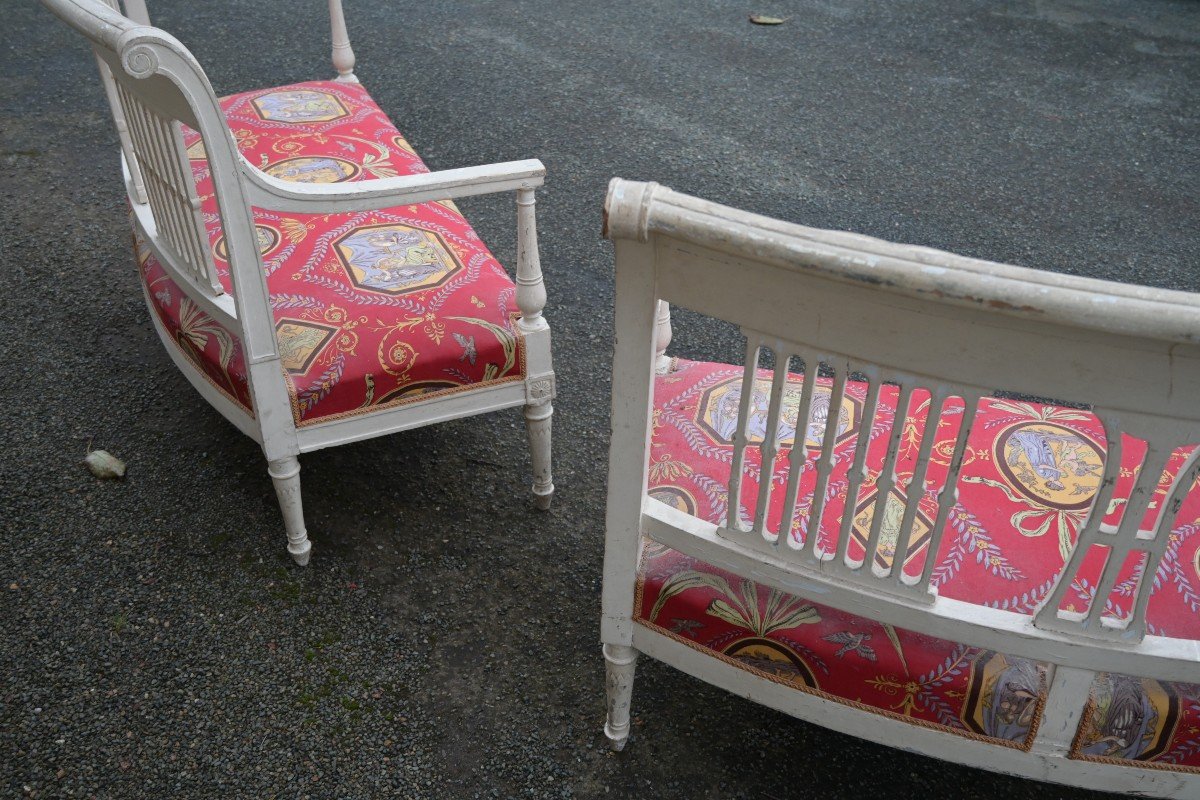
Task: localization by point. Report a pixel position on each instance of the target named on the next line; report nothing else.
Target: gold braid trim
(1085, 724)
(921, 723)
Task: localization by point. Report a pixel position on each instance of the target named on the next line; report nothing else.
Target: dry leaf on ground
(104, 464)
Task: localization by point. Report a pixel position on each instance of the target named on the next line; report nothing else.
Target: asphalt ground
(154, 640)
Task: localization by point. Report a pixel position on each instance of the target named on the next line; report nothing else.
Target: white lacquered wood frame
(154, 85)
(1046, 761)
(921, 318)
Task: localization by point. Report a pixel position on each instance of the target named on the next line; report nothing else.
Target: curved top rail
(634, 210)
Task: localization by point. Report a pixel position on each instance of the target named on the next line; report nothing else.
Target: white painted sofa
(981, 622)
(312, 315)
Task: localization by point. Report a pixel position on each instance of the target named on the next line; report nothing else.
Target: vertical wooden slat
(754, 344)
(1189, 470)
(1122, 540)
(812, 374)
(114, 103)
(190, 205)
(163, 138)
(1047, 614)
(825, 460)
(769, 449)
(157, 145)
(170, 207)
(180, 207)
(163, 217)
(858, 472)
(136, 129)
(887, 476)
(149, 153)
(148, 157)
(948, 496)
(799, 455)
(914, 491)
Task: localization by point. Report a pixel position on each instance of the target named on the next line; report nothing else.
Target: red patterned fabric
(371, 309)
(1029, 473)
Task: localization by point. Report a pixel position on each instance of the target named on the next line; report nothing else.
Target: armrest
(266, 191)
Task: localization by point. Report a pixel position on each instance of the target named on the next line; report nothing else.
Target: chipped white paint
(154, 85)
(920, 319)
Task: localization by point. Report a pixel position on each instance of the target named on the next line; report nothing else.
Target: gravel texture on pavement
(155, 640)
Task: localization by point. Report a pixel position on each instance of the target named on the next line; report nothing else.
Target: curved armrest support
(266, 191)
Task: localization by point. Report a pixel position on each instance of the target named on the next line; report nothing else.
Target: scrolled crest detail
(140, 60)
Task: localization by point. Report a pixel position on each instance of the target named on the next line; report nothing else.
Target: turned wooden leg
(285, 472)
(619, 663)
(537, 422)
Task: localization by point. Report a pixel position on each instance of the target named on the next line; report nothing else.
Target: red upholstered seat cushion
(1029, 473)
(372, 309)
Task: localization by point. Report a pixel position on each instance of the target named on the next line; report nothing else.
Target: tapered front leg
(619, 664)
(285, 472)
(537, 422)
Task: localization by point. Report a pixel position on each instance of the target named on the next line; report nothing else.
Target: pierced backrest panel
(1126, 532)
(836, 416)
(922, 339)
(166, 174)
(159, 168)
(137, 187)
(154, 87)
(887, 449)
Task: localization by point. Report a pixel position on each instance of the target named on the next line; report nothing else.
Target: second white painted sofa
(1034, 608)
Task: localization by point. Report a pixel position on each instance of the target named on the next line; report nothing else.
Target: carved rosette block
(539, 390)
